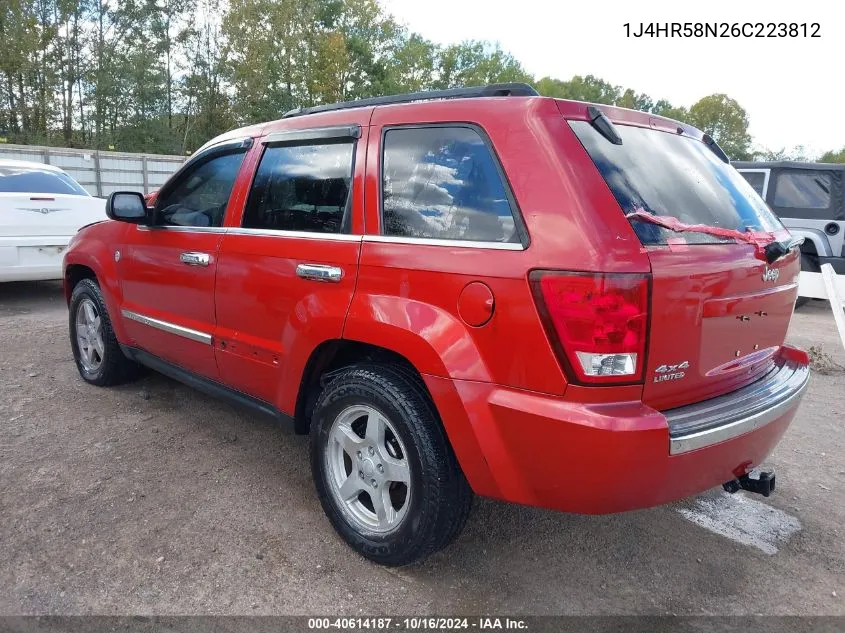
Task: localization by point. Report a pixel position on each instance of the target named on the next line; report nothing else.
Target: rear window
(442, 182)
(673, 175)
(34, 180)
(803, 190)
(301, 188)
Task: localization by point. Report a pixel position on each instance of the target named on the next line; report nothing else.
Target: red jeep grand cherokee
(468, 291)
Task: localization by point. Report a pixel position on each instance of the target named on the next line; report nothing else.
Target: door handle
(195, 259)
(320, 272)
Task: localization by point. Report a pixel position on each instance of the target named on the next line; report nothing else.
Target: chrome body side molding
(170, 328)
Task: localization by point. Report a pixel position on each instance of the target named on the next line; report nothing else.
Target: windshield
(674, 175)
(34, 180)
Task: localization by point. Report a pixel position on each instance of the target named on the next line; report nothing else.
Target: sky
(793, 89)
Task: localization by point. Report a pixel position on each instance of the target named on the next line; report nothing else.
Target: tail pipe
(757, 481)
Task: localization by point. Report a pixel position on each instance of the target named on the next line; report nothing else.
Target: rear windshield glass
(34, 180)
(674, 175)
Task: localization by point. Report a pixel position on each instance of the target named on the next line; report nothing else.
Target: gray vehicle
(808, 198)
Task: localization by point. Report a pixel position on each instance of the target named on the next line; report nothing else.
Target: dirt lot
(154, 499)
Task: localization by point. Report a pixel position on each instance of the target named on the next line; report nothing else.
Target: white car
(41, 208)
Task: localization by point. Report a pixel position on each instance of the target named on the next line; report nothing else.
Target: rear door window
(35, 180)
(302, 188)
(803, 190)
(443, 182)
(674, 175)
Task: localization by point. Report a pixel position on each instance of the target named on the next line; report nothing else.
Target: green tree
(726, 121)
(414, 65)
(797, 153)
(635, 101)
(833, 156)
(474, 63)
(589, 88)
(167, 75)
(664, 108)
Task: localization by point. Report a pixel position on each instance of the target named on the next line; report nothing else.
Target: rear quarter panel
(407, 294)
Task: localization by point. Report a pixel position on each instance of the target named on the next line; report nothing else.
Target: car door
(287, 273)
(167, 270)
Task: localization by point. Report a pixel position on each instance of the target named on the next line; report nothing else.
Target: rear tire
(97, 353)
(810, 264)
(385, 473)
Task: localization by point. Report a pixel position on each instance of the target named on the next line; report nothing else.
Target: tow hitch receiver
(761, 482)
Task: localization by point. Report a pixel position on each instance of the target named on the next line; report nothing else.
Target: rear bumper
(32, 258)
(599, 458)
(31, 273)
(739, 412)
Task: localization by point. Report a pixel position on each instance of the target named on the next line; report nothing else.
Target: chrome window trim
(426, 241)
(170, 328)
(739, 412)
(310, 235)
(237, 230)
(766, 173)
(183, 229)
(340, 237)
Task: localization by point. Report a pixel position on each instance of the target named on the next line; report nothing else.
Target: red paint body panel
(521, 431)
(157, 284)
(406, 303)
(711, 308)
(546, 451)
(93, 247)
(270, 320)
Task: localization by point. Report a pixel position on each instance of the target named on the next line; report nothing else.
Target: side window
(301, 188)
(803, 190)
(757, 180)
(201, 195)
(443, 183)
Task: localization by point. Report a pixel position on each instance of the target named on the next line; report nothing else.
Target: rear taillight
(597, 323)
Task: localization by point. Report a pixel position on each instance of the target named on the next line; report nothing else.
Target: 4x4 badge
(770, 274)
(671, 372)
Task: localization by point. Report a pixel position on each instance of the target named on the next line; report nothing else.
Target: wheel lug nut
(361, 474)
(380, 468)
(359, 454)
(375, 485)
(372, 451)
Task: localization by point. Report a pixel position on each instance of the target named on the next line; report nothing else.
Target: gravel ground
(151, 498)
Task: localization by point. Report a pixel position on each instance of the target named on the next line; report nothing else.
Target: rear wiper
(776, 250)
(599, 120)
(710, 142)
(763, 241)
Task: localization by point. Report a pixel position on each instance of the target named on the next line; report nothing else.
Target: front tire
(97, 353)
(385, 472)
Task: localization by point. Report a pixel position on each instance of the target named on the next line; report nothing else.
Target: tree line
(164, 76)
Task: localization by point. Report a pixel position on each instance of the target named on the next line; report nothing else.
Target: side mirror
(128, 206)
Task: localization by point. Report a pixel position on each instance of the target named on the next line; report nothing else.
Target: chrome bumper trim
(166, 326)
(733, 414)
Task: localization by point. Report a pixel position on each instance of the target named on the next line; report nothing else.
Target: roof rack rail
(493, 90)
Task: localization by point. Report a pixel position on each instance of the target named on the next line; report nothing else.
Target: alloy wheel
(368, 471)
